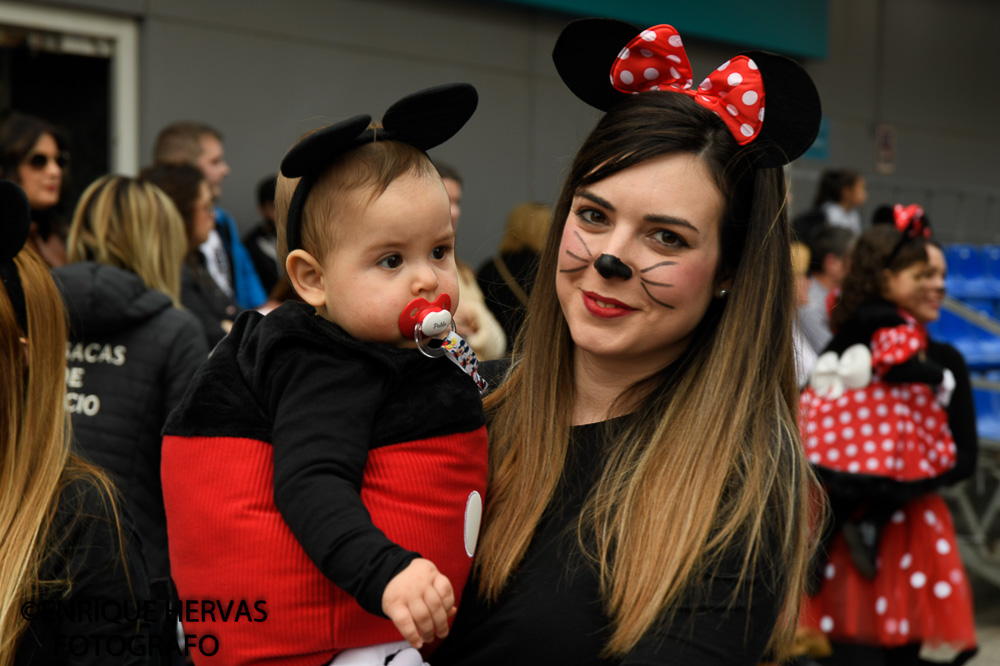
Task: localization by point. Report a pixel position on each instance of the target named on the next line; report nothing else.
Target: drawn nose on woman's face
(610, 267)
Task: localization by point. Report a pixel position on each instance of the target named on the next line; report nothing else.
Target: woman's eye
(392, 261)
(592, 216)
(668, 238)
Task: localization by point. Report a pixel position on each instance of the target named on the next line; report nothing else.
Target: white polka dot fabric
(920, 591)
(885, 429)
(656, 60)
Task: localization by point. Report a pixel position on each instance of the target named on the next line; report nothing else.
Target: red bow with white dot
(911, 221)
(655, 60)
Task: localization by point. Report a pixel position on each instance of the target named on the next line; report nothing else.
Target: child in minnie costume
(875, 428)
(324, 474)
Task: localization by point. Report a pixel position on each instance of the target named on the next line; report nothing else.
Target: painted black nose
(610, 266)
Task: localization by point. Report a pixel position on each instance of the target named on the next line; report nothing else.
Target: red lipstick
(606, 308)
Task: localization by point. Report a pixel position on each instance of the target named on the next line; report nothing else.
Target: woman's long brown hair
(871, 257)
(36, 464)
(714, 465)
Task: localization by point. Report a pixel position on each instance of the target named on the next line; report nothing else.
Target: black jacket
(130, 357)
(75, 624)
(203, 298)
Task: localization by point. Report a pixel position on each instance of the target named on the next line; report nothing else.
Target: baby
(323, 462)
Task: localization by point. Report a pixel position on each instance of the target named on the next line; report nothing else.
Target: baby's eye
(591, 215)
(440, 252)
(668, 238)
(392, 261)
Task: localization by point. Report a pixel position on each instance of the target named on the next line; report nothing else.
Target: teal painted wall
(791, 27)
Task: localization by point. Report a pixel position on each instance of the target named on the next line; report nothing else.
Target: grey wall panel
(264, 71)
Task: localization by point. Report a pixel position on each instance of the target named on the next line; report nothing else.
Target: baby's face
(401, 247)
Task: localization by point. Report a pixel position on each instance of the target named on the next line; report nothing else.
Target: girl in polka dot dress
(891, 587)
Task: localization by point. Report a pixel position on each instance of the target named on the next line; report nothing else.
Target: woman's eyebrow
(671, 220)
(604, 203)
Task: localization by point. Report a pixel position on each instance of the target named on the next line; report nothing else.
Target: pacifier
(425, 320)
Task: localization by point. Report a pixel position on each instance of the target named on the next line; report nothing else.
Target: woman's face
(638, 260)
(906, 286)
(204, 215)
(856, 195)
(928, 307)
(40, 174)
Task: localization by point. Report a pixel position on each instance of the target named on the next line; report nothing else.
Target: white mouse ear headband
(15, 220)
(766, 100)
(424, 120)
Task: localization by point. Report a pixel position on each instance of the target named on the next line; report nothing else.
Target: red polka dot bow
(910, 220)
(655, 60)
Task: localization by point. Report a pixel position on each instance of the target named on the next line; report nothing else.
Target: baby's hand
(419, 600)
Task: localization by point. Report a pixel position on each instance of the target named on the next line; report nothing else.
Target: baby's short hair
(358, 177)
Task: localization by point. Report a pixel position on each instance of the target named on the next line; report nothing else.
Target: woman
(131, 350)
(894, 590)
(506, 279)
(65, 537)
(648, 499)
(34, 155)
(961, 409)
(191, 193)
(840, 195)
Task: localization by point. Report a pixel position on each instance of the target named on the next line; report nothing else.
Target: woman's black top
(551, 612)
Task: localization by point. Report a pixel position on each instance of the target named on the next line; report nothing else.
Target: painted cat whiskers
(610, 266)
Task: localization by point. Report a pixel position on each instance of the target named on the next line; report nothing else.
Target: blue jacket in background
(248, 292)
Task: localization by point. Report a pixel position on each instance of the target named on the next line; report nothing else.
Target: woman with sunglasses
(34, 155)
(890, 587)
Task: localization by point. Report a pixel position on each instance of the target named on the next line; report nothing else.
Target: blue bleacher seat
(966, 274)
(987, 413)
(990, 259)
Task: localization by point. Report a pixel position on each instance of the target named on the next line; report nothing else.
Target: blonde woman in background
(507, 278)
(131, 350)
(64, 537)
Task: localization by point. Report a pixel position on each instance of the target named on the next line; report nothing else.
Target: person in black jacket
(187, 187)
(131, 351)
(507, 278)
(892, 585)
(68, 544)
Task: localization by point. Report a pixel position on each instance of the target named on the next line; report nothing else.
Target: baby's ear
(306, 275)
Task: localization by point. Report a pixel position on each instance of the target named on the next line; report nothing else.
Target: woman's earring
(723, 293)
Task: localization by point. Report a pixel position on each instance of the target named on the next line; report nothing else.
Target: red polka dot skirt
(920, 593)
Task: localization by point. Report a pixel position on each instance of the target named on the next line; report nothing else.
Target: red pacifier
(423, 319)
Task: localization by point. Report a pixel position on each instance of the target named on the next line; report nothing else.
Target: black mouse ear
(431, 116)
(317, 150)
(584, 53)
(793, 113)
(15, 216)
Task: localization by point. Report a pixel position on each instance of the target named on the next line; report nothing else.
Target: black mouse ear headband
(423, 120)
(603, 60)
(15, 218)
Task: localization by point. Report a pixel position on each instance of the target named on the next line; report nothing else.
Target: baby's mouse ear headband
(15, 221)
(423, 120)
(603, 60)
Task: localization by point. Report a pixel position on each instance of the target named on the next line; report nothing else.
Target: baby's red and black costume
(305, 469)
